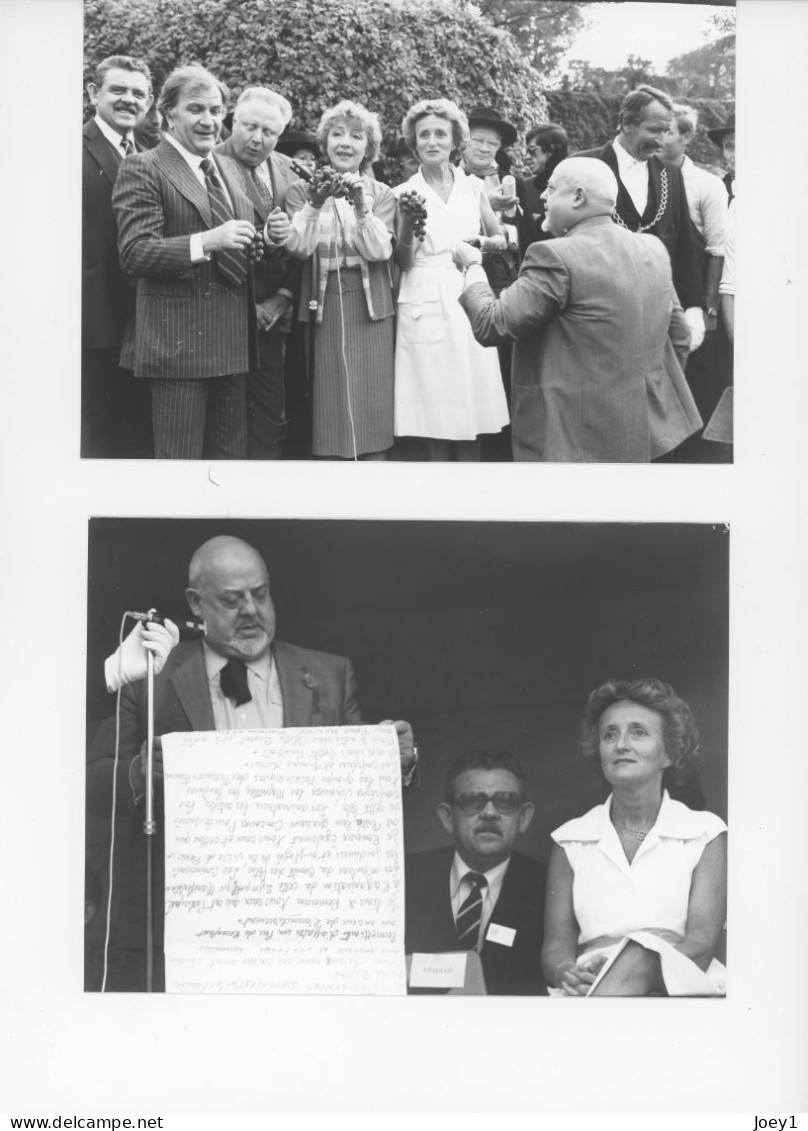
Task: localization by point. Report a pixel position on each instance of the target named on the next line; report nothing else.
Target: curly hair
(484, 760)
(351, 113)
(441, 108)
(679, 731)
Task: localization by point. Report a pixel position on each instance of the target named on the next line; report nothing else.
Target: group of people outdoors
(633, 902)
(568, 315)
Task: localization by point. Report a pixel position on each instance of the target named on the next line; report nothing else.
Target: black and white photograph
(486, 643)
(378, 234)
(333, 770)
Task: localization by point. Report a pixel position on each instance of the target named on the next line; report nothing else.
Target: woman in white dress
(636, 888)
(447, 387)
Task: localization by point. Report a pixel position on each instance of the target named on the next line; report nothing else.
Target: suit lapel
(231, 175)
(190, 682)
(102, 151)
(177, 170)
(298, 696)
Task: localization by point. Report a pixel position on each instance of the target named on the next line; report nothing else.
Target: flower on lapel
(311, 683)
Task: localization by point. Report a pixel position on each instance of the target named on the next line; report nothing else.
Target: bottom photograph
(383, 757)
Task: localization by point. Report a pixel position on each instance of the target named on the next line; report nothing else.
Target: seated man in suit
(239, 676)
(480, 894)
(115, 407)
(184, 226)
(259, 119)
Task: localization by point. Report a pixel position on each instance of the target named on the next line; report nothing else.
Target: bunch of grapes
(327, 182)
(414, 205)
(255, 250)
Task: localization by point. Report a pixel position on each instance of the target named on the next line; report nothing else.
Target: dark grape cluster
(255, 249)
(327, 182)
(414, 205)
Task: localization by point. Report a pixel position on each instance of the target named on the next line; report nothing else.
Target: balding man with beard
(600, 336)
(237, 677)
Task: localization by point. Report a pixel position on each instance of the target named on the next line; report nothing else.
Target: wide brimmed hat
(717, 136)
(292, 140)
(487, 116)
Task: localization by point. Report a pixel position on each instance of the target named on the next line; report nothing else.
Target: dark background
(481, 634)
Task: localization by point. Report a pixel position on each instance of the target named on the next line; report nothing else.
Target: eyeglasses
(471, 803)
(483, 143)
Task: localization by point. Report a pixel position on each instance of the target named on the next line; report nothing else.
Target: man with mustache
(238, 677)
(651, 194)
(259, 119)
(480, 893)
(184, 225)
(115, 409)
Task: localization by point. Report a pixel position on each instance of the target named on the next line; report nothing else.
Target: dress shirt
(264, 710)
(195, 162)
(707, 201)
(633, 174)
(459, 889)
(113, 137)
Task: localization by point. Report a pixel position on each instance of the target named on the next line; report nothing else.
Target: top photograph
(408, 231)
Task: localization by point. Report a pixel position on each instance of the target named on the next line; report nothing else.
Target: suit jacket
(189, 322)
(674, 228)
(597, 325)
(319, 689)
(277, 268)
(107, 296)
(430, 926)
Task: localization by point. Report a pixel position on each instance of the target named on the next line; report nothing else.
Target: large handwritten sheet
(284, 862)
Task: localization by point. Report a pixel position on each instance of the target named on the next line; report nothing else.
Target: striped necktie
(471, 912)
(126, 146)
(262, 188)
(231, 262)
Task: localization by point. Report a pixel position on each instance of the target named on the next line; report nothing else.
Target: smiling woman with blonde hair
(636, 888)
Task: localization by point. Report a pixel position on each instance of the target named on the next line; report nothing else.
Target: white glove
(128, 662)
(695, 320)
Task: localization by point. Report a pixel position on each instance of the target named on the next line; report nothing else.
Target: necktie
(471, 912)
(262, 188)
(233, 681)
(126, 146)
(231, 262)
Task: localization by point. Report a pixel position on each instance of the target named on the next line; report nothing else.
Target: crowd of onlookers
(256, 291)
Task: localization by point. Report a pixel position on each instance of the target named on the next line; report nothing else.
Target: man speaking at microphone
(238, 676)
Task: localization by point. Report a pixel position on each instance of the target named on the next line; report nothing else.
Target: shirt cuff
(474, 274)
(197, 254)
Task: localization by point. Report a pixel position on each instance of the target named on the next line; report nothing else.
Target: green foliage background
(386, 54)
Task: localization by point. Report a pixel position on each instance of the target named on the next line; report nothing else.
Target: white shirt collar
(112, 135)
(215, 661)
(193, 159)
(673, 820)
(494, 876)
(624, 158)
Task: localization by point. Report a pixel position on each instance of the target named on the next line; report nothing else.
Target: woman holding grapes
(342, 222)
(448, 387)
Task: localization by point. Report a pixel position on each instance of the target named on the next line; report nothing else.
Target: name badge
(502, 935)
(439, 971)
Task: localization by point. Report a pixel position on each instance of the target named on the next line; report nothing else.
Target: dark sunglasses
(470, 803)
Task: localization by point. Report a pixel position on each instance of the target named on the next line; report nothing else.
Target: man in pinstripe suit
(184, 224)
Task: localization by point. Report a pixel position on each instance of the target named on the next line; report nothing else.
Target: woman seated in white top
(636, 888)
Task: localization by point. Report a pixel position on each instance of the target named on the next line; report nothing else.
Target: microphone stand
(149, 823)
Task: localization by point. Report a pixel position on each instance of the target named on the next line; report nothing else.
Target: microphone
(188, 628)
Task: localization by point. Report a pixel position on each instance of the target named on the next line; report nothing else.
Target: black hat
(400, 149)
(717, 136)
(291, 140)
(487, 116)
